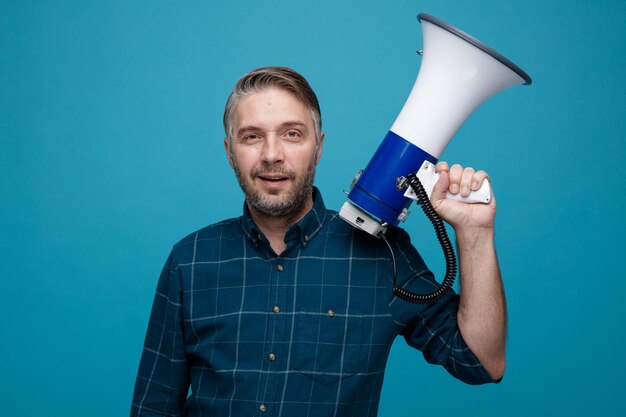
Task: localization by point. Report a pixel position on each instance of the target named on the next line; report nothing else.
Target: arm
(482, 308)
(163, 377)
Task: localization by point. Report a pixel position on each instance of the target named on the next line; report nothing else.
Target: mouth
(273, 179)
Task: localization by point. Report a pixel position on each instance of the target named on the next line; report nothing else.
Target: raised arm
(482, 309)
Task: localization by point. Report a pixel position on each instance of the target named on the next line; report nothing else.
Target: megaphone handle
(428, 177)
(482, 195)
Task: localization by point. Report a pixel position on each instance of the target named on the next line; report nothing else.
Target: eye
(293, 134)
(250, 138)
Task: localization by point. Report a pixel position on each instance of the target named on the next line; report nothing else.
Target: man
(288, 310)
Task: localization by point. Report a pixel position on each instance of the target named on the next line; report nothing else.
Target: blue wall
(111, 150)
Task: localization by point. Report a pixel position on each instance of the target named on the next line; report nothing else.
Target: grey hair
(282, 78)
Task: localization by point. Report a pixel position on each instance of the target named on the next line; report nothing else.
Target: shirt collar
(303, 231)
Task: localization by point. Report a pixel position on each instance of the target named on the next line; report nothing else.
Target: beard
(274, 205)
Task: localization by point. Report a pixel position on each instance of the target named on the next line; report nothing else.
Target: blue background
(111, 150)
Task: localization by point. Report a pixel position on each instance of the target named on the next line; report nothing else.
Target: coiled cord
(444, 241)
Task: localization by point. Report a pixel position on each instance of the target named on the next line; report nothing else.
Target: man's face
(274, 152)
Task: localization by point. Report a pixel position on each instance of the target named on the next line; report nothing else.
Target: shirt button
(279, 267)
(306, 238)
(275, 309)
(271, 357)
(331, 312)
(263, 408)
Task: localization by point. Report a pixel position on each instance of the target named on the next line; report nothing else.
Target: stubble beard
(292, 203)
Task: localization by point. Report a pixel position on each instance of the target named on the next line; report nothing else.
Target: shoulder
(208, 238)
(211, 231)
(359, 241)
(337, 225)
(398, 245)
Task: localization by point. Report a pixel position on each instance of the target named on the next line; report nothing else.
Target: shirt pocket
(328, 345)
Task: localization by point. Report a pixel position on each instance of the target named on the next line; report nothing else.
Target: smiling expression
(274, 152)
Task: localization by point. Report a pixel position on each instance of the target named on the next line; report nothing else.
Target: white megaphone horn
(457, 74)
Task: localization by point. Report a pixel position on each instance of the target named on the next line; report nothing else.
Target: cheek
(245, 161)
(306, 156)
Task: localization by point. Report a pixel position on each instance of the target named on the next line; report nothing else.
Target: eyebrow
(284, 125)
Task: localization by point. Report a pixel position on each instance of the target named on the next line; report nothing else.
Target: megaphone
(457, 74)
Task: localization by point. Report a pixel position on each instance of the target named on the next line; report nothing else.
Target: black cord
(446, 246)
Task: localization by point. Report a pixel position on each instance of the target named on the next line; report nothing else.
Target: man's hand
(459, 180)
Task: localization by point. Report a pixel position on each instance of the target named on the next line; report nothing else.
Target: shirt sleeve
(432, 328)
(163, 378)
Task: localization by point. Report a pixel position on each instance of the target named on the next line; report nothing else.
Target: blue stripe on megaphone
(375, 190)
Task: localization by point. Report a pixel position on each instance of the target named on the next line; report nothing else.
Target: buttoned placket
(279, 322)
(273, 361)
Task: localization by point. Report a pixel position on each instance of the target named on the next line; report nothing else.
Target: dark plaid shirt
(306, 333)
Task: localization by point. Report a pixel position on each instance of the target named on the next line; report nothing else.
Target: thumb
(440, 189)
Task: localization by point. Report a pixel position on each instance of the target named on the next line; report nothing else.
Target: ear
(319, 149)
(227, 146)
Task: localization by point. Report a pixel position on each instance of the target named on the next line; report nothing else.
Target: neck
(275, 228)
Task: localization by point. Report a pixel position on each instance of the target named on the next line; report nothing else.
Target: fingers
(462, 180)
(441, 166)
(478, 178)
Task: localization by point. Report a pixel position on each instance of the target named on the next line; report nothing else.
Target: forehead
(270, 105)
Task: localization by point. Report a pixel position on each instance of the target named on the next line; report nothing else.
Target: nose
(272, 151)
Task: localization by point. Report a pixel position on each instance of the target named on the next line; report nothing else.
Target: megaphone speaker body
(457, 74)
